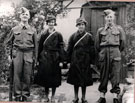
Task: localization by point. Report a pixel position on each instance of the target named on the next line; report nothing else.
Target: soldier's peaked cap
(109, 11)
(81, 20)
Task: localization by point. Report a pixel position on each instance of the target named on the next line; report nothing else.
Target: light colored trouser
(110, 65)
(22, 72)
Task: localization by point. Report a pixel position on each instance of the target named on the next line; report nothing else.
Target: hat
(50, 17)
(81, 20)
(109, 11)
(23, 10)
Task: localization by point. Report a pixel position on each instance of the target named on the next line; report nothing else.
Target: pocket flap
(117, 58)
(17, 33)
(103, 33)
(30, 32)
(115, 33)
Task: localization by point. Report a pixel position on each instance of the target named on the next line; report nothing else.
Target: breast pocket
(103, 37)
(17, 36)
(116, 37)
(29, 35)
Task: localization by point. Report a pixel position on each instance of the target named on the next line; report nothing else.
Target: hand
(91, 66)
(68, 65)
(61, 64)
(35, 64)
(35, 61)
(9, 59)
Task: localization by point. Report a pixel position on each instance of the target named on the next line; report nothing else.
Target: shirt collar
(109, 26)
(24, 25)
(113, 28)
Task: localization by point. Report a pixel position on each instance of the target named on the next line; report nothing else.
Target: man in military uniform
(24, 52)
(109, 42)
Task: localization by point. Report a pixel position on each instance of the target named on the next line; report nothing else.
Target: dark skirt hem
(80, 85)
(45, 85)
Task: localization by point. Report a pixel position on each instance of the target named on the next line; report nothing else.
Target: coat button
(45, 52)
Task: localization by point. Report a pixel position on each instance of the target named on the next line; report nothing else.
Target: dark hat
(50, 17)
(109, 11)
(81, 20)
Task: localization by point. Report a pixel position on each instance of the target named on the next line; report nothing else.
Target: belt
(106, 46)
(51, 50)
(24, 48)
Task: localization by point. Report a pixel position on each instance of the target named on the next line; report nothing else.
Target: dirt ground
(64, 93)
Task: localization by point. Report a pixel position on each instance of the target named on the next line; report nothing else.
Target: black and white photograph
(67, 51)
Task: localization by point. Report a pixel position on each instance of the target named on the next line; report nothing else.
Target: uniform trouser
(22, 72)
(109, 64)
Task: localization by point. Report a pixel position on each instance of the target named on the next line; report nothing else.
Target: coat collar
(81, 33)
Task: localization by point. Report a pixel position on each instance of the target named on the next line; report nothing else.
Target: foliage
(130, 33)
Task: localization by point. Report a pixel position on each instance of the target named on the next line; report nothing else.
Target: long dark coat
(80, 57)
(50, 55)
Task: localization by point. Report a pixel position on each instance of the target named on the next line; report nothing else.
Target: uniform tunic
(50, 55)
(24, 50)
(80, 57)
(109, 43)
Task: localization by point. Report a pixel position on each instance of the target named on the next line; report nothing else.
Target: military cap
(23, 10)
(109, 11)
(81, 20)
(50, 17)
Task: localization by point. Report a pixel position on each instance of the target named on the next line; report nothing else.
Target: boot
(115, 100)
(17, 99)
(101, 100)
(24, 99)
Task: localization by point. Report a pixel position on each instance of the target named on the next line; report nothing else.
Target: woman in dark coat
(50, 58)
(80, 55)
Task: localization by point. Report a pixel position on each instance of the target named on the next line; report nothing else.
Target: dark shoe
(84, 101)
(52, 100)
(115, 100)
(24, 99)
(101, 100)
(75, 101)
(18, 99)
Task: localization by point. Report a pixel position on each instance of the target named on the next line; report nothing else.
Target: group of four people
(109, 42)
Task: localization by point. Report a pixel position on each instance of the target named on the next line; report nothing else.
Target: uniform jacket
(114, 36)
(23, 38)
